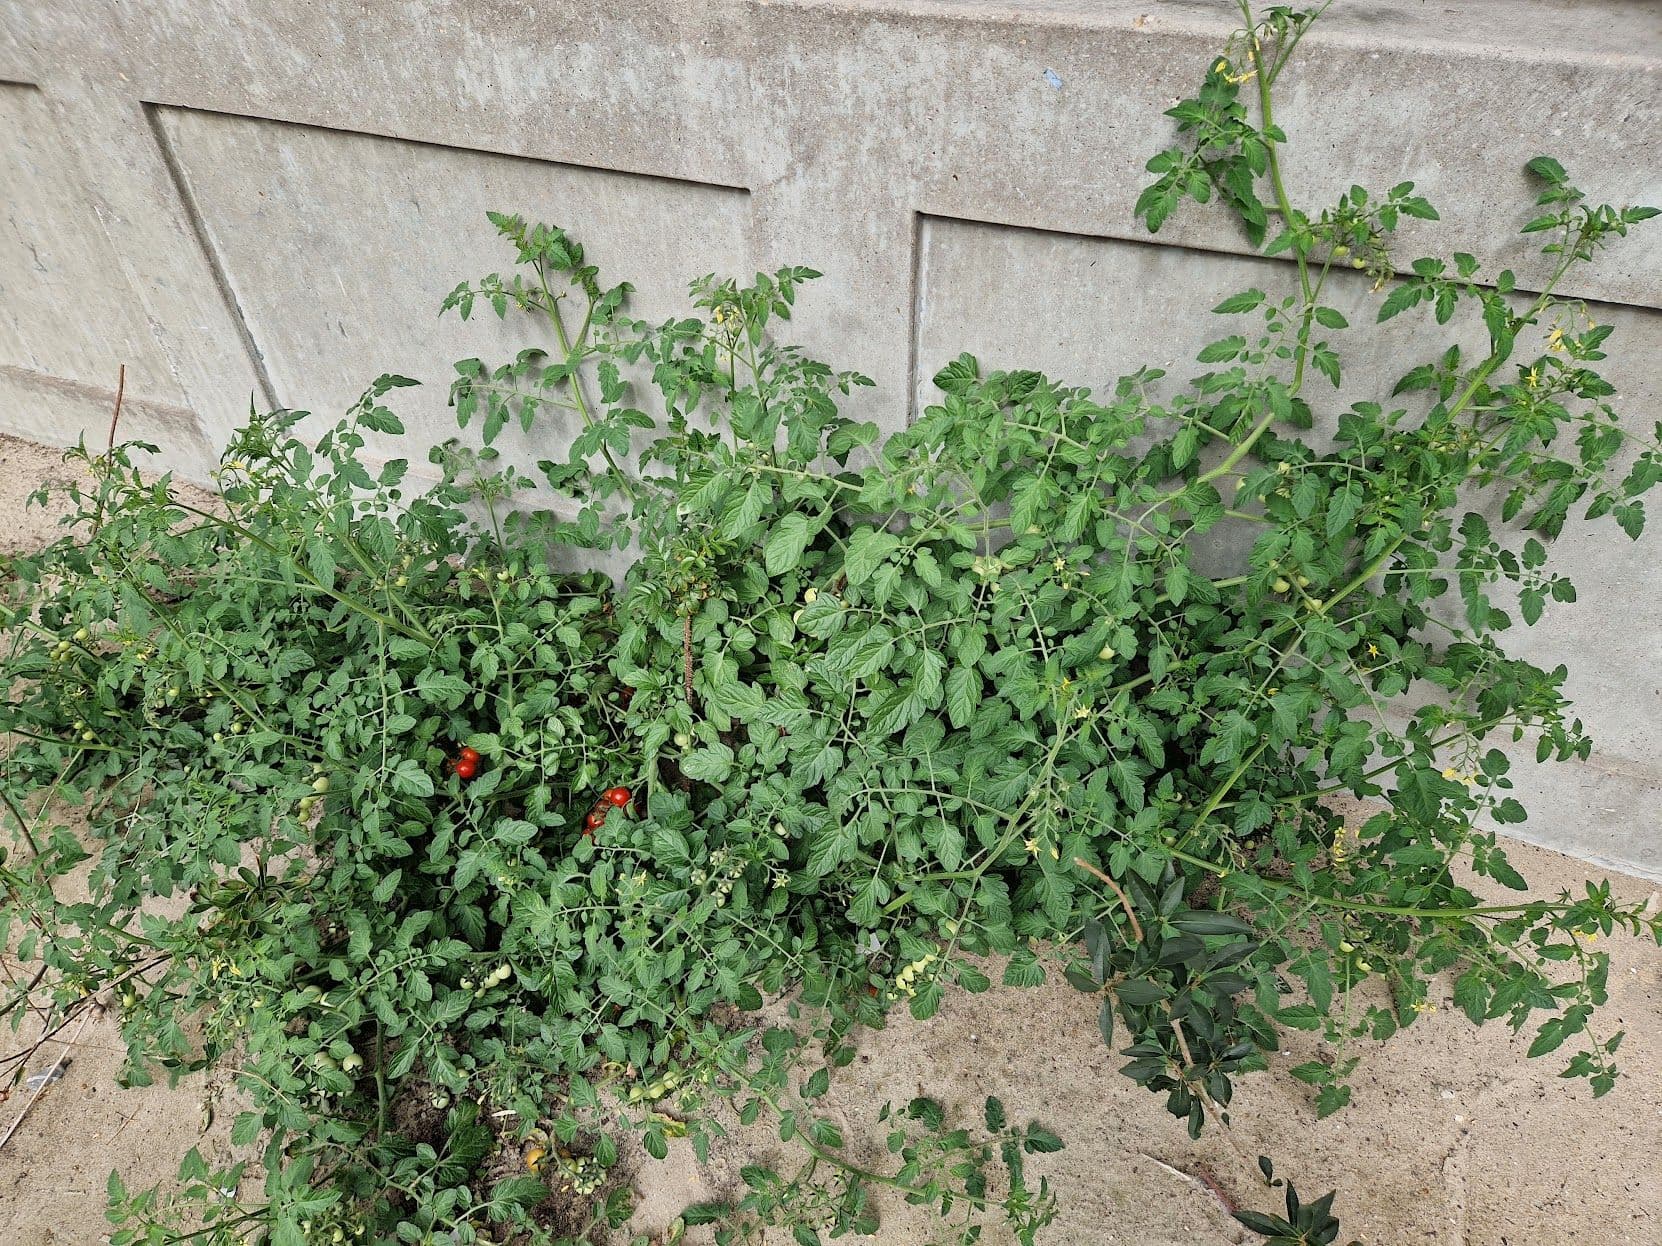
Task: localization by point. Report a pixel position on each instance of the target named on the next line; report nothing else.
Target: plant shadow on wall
(477, 867)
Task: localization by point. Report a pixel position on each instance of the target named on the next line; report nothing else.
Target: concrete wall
(269, 199)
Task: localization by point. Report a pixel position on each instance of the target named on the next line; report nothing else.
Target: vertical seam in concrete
(199, 231)
(918, 299)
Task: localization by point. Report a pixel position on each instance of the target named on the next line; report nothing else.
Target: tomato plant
(888, 706)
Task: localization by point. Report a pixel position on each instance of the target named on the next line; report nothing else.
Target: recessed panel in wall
(1088, 310)
(338, 248)
(66, 314)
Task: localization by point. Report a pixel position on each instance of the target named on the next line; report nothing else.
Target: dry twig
(47, 1079)
(1125, 903)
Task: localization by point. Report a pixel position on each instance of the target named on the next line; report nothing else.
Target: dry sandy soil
(1454, 1138)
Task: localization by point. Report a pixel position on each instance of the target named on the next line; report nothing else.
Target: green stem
(1363, 906)
(1222, 790)
(301, 571)
(575, 381)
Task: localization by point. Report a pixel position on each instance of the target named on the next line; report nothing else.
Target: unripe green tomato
(682, 739)
(1106, 653)
(1280, 585)
(1359, 263)
(1304, 581)
(324, 1061)
(1341, 251)
(351, 1063)
(321, 783)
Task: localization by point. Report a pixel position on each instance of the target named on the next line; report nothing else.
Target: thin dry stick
(115, 416)
(51, 1034)
(109, 448)
(1183, 1046)
(46, 1080)
(1136, 926)
(687, 656)
(1200, 1180)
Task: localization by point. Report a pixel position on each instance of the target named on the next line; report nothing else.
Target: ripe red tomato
(595, 820)
(465, 769)
(469, 755)
(618, 797)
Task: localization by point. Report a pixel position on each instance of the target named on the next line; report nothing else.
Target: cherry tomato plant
(465, 857)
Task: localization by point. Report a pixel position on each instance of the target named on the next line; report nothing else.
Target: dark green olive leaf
(1204, 922)
(1140, 992)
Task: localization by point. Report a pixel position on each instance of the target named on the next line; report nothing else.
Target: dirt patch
(55, 1166)
(1454, 1137)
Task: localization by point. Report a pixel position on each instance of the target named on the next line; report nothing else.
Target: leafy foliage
(883, 707)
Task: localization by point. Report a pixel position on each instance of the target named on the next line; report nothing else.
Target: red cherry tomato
(595, 820)
(617, 797)
(465, 769)
(469, 755)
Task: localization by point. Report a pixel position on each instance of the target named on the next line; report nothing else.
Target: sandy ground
(1454, 1138)
(54, 1168)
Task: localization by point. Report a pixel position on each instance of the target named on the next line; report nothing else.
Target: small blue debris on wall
(1054, 78)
